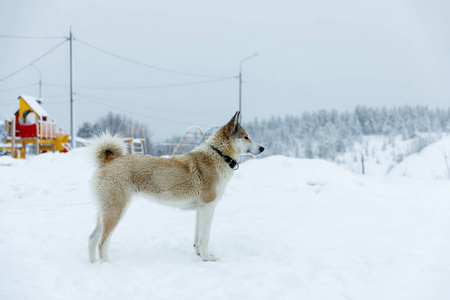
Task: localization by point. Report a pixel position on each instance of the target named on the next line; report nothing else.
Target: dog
(196, 180)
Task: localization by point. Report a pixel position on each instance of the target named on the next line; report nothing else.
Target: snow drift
(432, 162)
(285, 229)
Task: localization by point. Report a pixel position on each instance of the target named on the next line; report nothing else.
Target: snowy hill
(382, 153)
(432, 162)
(285, 229)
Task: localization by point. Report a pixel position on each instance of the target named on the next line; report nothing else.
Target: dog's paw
(209, 257)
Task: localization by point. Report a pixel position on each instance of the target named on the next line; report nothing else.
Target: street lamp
(40, 80)
(240, 81)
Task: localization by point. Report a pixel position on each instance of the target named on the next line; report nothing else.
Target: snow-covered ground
(432, 162)
(382, 153)
(285, 229)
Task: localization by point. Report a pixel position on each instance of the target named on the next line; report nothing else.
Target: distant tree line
(115, 124)
(322, 134)
(325, 134)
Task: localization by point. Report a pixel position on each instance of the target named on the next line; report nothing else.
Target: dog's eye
(246, 137)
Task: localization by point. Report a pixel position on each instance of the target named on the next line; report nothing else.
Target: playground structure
(193, 137)
(188, 142)
(30, 127)
(135, 145)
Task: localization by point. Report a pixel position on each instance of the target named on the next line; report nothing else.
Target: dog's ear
(237, 118)
(231, 126)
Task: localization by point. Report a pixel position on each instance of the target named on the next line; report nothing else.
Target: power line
(55, 96)
(7, 101)
(19, 87)
(154, 86)
(146, 65)
(165, 109)
(34, 61)
(56, 102)
(101, 102)
(56, 85)
(31, 37)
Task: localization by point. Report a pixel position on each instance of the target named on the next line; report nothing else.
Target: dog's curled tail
(107, 147)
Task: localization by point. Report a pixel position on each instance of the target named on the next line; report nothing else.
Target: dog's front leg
(196, 244)
(204, 219)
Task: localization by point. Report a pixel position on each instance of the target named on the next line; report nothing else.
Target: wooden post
(13, 138)
(24, 149)
(132, 141)
(362, 163)
(144, 144)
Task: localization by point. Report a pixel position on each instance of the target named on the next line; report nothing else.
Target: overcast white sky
(312, 55)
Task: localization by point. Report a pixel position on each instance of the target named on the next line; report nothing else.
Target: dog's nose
(261, 149)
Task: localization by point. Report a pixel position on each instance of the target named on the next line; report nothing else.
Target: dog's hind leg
(205, 216)
(93, 239)
(110, 218)
(196, 244)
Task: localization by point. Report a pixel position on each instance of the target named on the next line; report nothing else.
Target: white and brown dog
(195, 180)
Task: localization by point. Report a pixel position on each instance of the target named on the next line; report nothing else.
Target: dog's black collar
(230, 161)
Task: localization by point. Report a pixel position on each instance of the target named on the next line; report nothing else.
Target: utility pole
(40, 80)
(40, 88)
(240, 82)
(240, 89)
(72, 132)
